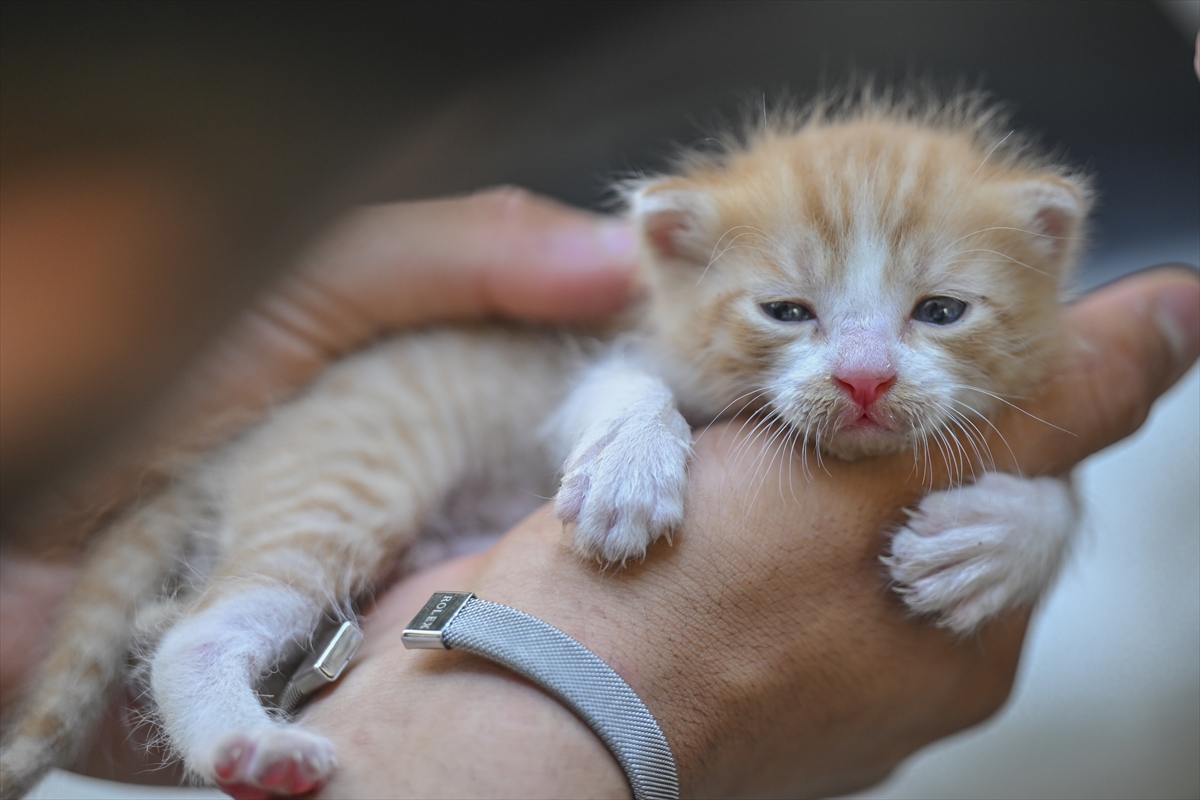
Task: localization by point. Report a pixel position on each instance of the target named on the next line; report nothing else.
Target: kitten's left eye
(787, 311)
(939, 310)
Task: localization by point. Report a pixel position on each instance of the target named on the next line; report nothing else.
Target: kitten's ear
(1053, 209)
(676, 223)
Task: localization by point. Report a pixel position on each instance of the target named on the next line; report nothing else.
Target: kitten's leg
(316, 506)
(300, 538)
(204, 676)
(625, 479)
(317, 503)
(970, 553)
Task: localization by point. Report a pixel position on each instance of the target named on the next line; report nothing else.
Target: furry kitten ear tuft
(1054, 209)
(676, 223)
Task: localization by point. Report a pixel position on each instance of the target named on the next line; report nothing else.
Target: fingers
(1127, 344)
(498, 253)
(502, 252)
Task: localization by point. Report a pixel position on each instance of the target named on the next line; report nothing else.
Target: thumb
(503, 252)
(1127, 343)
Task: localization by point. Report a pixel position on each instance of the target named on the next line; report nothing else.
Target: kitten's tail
(93, 633)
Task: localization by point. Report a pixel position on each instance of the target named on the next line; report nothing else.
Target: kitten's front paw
(279, 760)
(624, 486)
(969, 554)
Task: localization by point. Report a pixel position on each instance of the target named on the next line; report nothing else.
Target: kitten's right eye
(787, 311)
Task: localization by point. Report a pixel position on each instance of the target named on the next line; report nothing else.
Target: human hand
(502, 253)
(765, 640)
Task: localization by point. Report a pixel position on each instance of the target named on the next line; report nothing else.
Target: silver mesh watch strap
(564, 668)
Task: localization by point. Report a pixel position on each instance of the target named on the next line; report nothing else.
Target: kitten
(874, 278)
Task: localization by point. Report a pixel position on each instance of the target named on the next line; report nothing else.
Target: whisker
(820, 460)
(792, 441)
(748, 397)
(1015, 407)
(918, 452)
(804, 458)
(757, 431)
(995, 147)
(946, 216)
(1010, 228)
(928, 456)
(758, 465)
(777, 442)
(756, 418)
(947, 454)
(958, 442)
(782, 451)
(992, 425)
(714, 256)
(927, 460)
(982, 439)
(1006, 256)
(937, 439)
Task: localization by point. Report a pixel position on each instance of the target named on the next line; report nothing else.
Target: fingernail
(601, 246)
(1177, 315)
(618, 241)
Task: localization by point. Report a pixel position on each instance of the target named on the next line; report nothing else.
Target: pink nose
(864, 389)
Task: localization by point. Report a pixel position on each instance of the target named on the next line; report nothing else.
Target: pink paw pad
(232, 757)
(272, 762)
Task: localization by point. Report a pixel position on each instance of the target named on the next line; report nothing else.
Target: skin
(764, 639)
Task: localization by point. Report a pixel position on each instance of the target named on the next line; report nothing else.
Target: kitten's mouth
(865, 422)
(860, 434)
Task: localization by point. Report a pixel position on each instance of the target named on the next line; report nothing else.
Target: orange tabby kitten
(871, 279)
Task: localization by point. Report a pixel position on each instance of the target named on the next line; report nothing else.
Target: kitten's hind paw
(271, 762)
(625, 488)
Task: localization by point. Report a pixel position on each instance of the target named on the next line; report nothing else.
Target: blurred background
(260, 122)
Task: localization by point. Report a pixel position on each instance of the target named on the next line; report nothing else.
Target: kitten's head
(873, 279)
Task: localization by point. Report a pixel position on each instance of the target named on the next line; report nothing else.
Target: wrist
(452, 725)
(449, 723)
